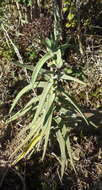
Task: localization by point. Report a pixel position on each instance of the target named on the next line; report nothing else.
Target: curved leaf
(20, 94)
(71, 101)
(39, 65)
(27, 149)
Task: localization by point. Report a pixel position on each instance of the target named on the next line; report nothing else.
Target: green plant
(49, 108)
(31, 53)
(70, 12)
(50, 105)
(25, 2)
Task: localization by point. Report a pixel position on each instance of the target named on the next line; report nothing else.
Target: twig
(19, 12)
(15, 49)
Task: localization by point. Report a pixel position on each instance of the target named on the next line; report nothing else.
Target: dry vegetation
(22, 35)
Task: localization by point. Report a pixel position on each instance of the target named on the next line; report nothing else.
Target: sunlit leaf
(34, 130)
(71, 101)
(70, 16)
(63, 151)
(20, 94)
(27, 149)
(20, 113)
(67, 77)
(48, 128)
(42, 100)
(48, 118)
(67, 142)
(59, 59)
(39, 65)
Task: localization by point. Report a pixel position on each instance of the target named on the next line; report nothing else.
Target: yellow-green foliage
(6, 53)
(70, 12)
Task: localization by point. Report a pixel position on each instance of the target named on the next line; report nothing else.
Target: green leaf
(41, 84)
(68, 25)
(23, 111)
(20, 94)
(59, 59)
(27, 149)
(42, 99)
(29, 3)
(61, 142)
(68, 146)
(70, 16)
(48, 43)
(70, 153)
(67, 77)
(32, 101)
(71, 101)
(48, 118)
(65, 9)
(28, 67)
(39, 65)
(47, 135)
(20, 113)
(34, 131)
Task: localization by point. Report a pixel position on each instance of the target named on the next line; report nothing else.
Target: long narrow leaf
(28, 67)
(59, 59)
(39, 65)
(48, 113)
(69, 152)
(42, 100)
(28, 148)
(32, 101)
(62, 149)
(18, 114)
(67, 77)
(20, 94)
(36, 129)
(71, 101)
(47, 135)
(68, 146)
